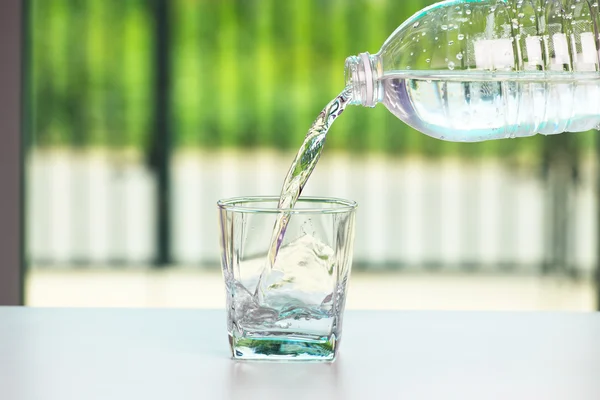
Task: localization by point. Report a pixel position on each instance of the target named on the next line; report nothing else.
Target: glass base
(283, 349)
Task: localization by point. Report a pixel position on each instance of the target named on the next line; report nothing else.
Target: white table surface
(114, 354)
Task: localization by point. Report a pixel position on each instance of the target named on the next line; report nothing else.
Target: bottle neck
(362, 75)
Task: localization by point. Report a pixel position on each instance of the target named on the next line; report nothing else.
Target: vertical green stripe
(136, 72)
(76, 85)
(129, 58)
(283, 105)
(39, 65)
(265, 65)
(95, 55)
(205, 46)
(112, 74)
(228, 72)
(116, 82)
(301, 75)
(246, 50)
(187, 72)
(58, 35)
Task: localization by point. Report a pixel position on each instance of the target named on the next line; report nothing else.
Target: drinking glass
(292, 309)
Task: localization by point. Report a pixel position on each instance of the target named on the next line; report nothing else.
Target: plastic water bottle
(474, 70)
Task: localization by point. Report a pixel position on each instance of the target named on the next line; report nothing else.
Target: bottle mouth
(362, 75)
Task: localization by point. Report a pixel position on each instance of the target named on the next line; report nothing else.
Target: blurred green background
(141, 113)
(243, 74)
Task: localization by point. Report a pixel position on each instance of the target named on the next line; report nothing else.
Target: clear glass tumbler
(296, 314)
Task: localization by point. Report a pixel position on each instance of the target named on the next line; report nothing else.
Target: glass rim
(236, 204)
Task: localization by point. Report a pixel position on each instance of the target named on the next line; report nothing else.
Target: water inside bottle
(477, 105)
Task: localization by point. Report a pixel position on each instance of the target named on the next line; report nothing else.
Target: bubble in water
(520, 15)
(468, 12)
(450, 43)
(461, 36)
(532, 18)
(416, 24)
(408, 67)
(428, 60)
(436, 38)
(459, 56)
(424, 50)
(444, 27)
(451, 65)
(412, 53)
(445, 59)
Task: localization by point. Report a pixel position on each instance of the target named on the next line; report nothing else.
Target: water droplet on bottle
(444, 27)
(451, 65)
(450, 43)
(416, 24)
(459, 56)
(468, 12)
(461, 36)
